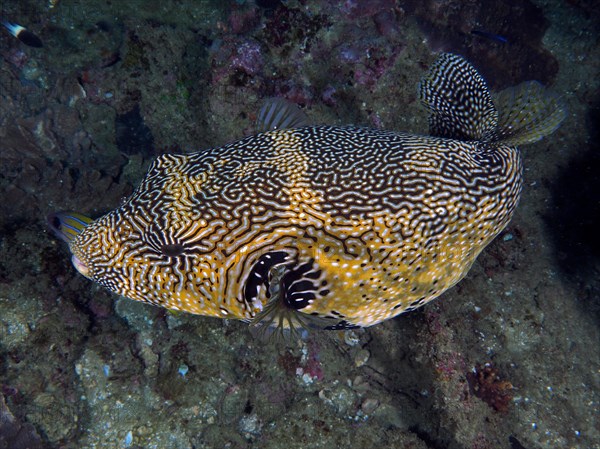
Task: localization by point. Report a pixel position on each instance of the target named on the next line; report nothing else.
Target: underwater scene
(299, 224)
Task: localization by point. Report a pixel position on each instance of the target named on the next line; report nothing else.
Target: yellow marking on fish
(350, 225)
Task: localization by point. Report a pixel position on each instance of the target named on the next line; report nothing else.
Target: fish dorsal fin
(528, 112)
(458, 100)
(277, 113)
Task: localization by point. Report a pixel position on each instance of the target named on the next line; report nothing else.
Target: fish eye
(173, 250)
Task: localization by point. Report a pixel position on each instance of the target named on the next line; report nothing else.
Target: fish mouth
(80, 266)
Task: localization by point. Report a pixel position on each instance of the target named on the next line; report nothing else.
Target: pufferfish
(338, 227)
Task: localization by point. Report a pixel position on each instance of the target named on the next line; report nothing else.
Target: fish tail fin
(527, 113)
(67, 225)
(458, 100)
(461, 107)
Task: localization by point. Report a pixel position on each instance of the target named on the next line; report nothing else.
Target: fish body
(349, 225)
(23, 34)
(490, 36)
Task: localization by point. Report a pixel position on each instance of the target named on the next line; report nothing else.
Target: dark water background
(507, 359)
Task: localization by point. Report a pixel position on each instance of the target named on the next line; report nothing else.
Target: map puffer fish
(341, 226)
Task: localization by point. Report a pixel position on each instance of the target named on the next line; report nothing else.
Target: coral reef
(485, 383)
(118, 83)
(14, 434)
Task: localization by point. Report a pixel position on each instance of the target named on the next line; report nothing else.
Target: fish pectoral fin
(281, 322)
(282, 317)
(278, 318)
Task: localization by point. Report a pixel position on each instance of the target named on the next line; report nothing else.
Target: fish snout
(80, 266)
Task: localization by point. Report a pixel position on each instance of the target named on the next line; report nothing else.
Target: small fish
(322, 226)
(23, 34)
(67, 226)
(491, 36)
